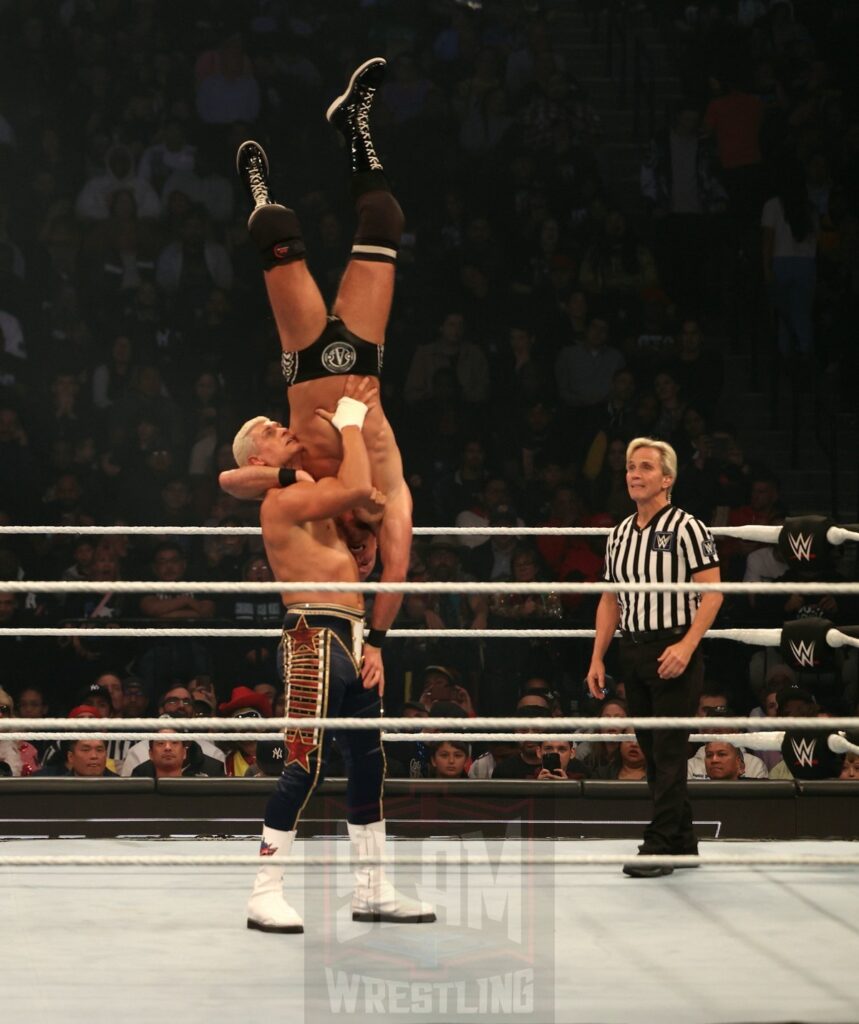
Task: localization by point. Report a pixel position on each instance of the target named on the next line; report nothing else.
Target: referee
(660, 632)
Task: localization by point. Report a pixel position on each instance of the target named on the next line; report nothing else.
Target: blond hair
(244, 446)
(5, 698)
(667, 455)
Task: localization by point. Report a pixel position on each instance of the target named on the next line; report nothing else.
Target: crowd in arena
(541, 322)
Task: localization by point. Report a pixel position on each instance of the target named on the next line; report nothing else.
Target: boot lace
(256, 181)
(362, 124)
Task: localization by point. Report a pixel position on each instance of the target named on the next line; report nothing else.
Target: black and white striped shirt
(669, 549)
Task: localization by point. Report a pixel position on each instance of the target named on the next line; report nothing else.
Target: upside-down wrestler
(320, 350)
(322, 643)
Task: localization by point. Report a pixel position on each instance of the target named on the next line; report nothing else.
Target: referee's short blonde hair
(667, 454)
(243, 444)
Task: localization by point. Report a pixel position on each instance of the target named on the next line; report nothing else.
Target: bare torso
(308, 551)
(323, 450)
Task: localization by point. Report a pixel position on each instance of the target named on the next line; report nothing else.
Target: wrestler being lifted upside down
(321, 349)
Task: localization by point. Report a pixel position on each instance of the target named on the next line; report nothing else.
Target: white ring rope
(757, 741)
(458, 587)
(761, 534)
(751, 740)
(436, 858)
(757, 637)
(835, 535)
(841, 745)
(556, 725)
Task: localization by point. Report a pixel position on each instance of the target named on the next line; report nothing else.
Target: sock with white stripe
(380, 219)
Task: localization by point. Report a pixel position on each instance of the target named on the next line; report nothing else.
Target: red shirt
(735, 120)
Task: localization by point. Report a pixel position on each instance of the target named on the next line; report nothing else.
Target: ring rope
(572, 723)
(762, 534)
(436, 859)
(759, 741)
(458, 587)
(841, 745)
(757, 637)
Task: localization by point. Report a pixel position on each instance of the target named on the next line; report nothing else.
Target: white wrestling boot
(268, 911)
(375, 899)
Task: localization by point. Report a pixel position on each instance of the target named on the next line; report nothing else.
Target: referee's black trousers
(665, 750)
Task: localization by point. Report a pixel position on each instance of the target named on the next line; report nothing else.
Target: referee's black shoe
(645, 870)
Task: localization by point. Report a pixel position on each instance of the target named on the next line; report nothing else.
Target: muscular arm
(395, 542)
(250, 483)
(330, 496)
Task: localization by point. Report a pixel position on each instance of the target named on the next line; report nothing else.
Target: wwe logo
(803, 751)
(663, 541)
(800, 545)
(803, 653)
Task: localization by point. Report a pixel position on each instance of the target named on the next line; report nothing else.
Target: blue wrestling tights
(321, 671)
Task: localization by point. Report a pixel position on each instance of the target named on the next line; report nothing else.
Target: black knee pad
(380, 225)
(277, 234)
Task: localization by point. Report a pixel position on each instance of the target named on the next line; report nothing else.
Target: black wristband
(376, 637)
(285, 477)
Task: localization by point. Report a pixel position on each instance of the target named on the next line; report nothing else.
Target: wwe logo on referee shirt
(803, 751)
(800, 545)
(803, 653)
(663, 540)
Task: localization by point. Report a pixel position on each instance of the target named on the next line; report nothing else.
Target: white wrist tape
(349, 413)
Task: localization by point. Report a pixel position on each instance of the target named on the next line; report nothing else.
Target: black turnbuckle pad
(804, 544)
(804, 646)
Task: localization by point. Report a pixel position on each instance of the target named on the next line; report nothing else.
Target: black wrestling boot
(252, 168)
(350, 115)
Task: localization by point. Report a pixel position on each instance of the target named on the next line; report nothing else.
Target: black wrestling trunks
(337, 351)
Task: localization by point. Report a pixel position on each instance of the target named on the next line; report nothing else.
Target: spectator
(559, 762)
(20, 757)
(629, 764)
(191, 266)
(618, 267)
(584, 373)
(227, 90)
(94, 199)
(734, 118)
(603, 758)
(87, 759)
(850, 768)
(172, 759)
(790, 225)
(241, 756)
(168, 566)
(450, 351)
(449, 760)
(723, 762)
(176, 702)
(135, 697)
(679, 181)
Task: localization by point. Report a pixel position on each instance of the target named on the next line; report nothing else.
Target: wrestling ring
(529, 928)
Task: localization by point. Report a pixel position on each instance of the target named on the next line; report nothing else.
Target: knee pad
(277, 234)
(380, 225)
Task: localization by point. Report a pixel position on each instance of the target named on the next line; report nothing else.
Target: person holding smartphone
(558, 762)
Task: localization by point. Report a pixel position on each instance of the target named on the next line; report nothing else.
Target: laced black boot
(274, 228)
(350, 114)
(252, 167)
